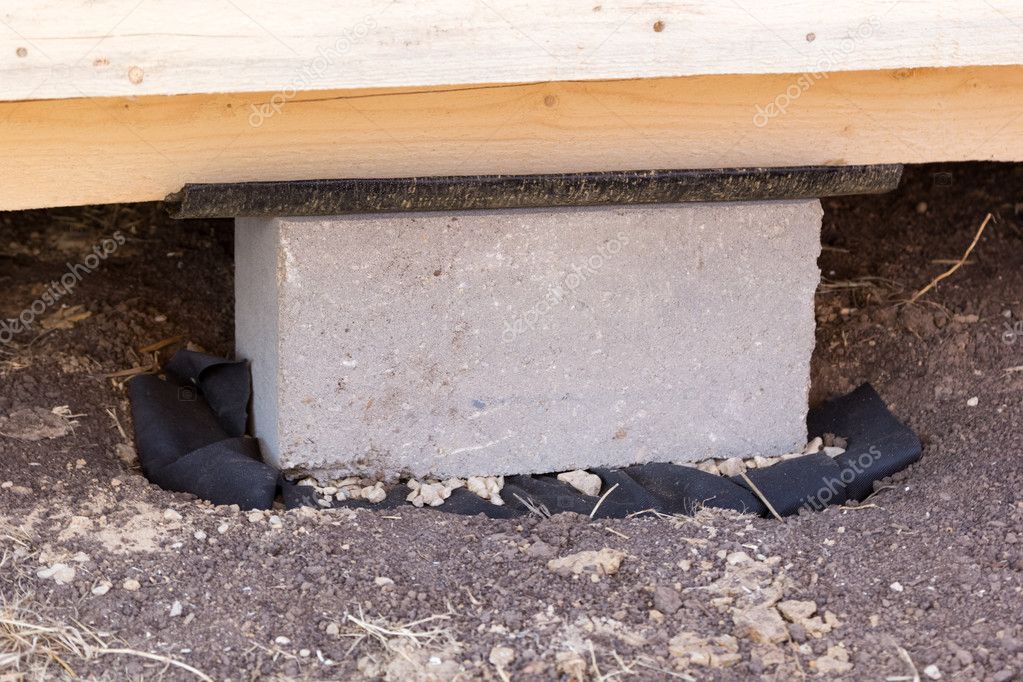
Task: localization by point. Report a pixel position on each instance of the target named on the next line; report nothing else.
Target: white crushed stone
(487, 487)
(583, 481)
(831, 445)
(709, 466)
(732, 466)
(60, 573)
(433, 493)
(814, 446)
(350, 488)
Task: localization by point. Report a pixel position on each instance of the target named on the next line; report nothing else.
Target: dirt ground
(104, 576)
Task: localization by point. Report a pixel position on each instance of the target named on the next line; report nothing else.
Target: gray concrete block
(499, 342)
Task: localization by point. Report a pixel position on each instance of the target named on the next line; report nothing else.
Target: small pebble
(502, 656)
(814, 446)
(709, 466)
(583, 481)
(171, 515)
(175, 609)
(896, 586)
(733, 466)
(131, 585)
(973, 402)
(932, 672)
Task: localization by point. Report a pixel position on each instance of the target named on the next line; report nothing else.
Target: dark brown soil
(927, 576)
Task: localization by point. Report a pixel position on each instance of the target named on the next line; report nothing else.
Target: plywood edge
(103, 150)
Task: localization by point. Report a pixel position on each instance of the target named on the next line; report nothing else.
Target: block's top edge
(461, 193)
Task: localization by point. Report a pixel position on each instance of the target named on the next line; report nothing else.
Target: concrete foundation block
(500, 342)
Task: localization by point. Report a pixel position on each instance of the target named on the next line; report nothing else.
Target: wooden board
(66, 152)
(63, 49)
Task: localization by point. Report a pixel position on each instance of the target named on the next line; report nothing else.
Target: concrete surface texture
(499, 342)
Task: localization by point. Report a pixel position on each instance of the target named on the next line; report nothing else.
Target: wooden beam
(59, 49)
(84, 151)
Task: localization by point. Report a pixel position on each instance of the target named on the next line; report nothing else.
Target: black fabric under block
(295, 496)
(189, 427)
(684, 490)
(628, 498)
(171, 419)
(467, 503)
(812, 481)
(226, 385)
(182, 446)
(548, 491)
(225, 472)
(879, 445)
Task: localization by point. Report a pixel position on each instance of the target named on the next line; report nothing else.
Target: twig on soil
(959, 263)
(763, 498)
(949, 261)
(117, 423)
(667, 673)
(915, 677)
(133, 371)
(157, 657)
(615, 532)
(472, 599)
(162, 343)
(601, 500)
(868, 282)
(23, 641)
(539, 509)
(391, 637)
(877, 492)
